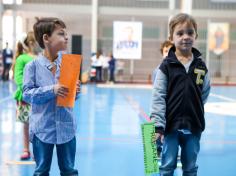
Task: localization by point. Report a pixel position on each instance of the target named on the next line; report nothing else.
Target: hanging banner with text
(127, 40)
(218, 37)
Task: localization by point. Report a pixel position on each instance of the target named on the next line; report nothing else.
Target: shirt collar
(196, 52)
(172, 57)
(45, 62)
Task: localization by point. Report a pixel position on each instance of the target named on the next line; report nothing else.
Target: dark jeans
(98, 74)
(112, 77)
(105, 74)
(190, 146)
(65, 154)
(5, 74)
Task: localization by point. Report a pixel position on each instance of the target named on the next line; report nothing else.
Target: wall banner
(218, 37)
(127, 40)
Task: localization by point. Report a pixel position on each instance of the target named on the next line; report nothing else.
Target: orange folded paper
(70, 70)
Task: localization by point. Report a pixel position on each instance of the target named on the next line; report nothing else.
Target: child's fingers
(63, 87)
(162, 138)
(78, 90)
(78, 86)
(62, 94)
(155, 138)
(63, 91)
(158, 136)
(78, 82)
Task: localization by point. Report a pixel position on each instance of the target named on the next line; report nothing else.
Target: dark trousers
(99, 74)
(65, 156)
(112, 76)
(5, 74)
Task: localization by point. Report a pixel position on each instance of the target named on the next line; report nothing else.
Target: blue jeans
(190, 146)
(65, 154)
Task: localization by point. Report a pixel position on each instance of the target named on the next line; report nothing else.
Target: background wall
(154, 15)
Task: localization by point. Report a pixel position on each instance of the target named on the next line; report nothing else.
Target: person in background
(92, 72)
(98, 66)
(105, 68)
(1, 66)
(7, 56)
(25, 53)
(120, 70)
(181, 89)
(50, 125)
(112, 67)
(164, 49)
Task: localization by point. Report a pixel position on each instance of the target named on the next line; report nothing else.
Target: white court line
(133, 86)
(223, 97)
(6, 99)
(144, 86)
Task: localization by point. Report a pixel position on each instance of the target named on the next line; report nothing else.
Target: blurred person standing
(112, 67)
(1, 65)
(25, 53)
(92, 71)
(120, 70)
(105, 67)
(7, 57)
(97, 64)
(164, 49)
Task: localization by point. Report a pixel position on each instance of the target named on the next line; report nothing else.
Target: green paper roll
(149, 149)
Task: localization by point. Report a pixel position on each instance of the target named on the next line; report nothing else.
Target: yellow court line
(20, 162)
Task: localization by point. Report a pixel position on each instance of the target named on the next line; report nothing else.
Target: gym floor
(109, 139)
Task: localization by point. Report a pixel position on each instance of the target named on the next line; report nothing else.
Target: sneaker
(179, 158)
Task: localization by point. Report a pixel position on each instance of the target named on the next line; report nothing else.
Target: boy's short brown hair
(166, 43)
(46, 26)
(180, 19)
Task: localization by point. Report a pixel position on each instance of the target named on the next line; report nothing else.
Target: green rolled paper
(149, 149)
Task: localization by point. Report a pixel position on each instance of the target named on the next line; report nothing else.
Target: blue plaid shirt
(50, 123)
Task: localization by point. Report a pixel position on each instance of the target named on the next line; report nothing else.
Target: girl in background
(25, 53)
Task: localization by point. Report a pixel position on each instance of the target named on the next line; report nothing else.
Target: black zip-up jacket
(184, 105)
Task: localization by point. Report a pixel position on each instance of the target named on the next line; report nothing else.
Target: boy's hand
(159, 136)
(78, 87)
(60, 90)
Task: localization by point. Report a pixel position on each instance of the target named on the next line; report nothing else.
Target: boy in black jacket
(181, 88)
